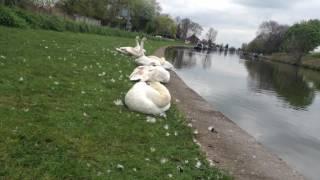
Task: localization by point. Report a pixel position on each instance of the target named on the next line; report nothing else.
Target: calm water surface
(276, 103)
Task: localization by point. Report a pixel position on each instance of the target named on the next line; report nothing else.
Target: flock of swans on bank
(148, 95)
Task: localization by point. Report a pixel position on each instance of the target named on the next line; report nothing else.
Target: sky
(237, 21)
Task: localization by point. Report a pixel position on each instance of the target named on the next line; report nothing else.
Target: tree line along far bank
(295, 41)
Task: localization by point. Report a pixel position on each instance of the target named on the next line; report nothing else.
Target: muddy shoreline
(228, 146)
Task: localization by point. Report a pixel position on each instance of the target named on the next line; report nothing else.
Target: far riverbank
(311, 61)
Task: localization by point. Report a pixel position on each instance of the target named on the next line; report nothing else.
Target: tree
(163, 25)
(44, 3)
(195, 28)
(186, 27)
(142, 12)
(110, 12)
(270, 36)
(211, 36)
(244, 47)
(302, 38)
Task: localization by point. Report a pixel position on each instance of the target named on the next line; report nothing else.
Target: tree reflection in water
(295, 86)
(187, 58)
(284, 79)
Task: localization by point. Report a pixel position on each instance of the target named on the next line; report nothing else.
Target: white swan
(134, 51)
(143, 59)
(150, 73)
(164, 63)
(148, 98)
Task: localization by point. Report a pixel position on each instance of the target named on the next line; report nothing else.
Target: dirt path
(229, 147)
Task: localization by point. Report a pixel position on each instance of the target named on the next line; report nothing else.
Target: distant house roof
(193, 39)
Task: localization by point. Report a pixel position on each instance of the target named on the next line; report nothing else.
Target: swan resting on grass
(152, 60)
(163, 62)
(134, 51)
(149, 98)
(145, 60)
(150, 73)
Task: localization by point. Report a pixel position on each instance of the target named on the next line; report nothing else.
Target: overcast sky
(237, 20)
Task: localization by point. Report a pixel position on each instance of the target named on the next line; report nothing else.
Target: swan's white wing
(137, 99)
(161, 75)
(168, 65)
(144, 60)
(155, 97)
(139, 74)
(155, 58)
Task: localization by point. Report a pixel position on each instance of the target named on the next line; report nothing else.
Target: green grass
(315, 55)
(58, 119)
(311, 61)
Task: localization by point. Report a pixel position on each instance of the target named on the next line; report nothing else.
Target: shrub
(9, 18)
(71, 26)
(32, 20)
(15, 17)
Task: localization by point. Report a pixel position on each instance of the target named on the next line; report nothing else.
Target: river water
(276, 103)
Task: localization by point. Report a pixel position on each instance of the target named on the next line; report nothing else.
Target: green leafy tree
(302, 38)
(111, 12)
(163, 25)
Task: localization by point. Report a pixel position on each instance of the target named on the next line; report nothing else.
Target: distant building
(193, 39)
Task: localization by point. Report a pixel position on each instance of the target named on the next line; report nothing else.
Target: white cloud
(237, 20)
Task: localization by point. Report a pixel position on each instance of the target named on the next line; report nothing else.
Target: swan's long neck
(164, 98)
(142, 47)
(137, 42)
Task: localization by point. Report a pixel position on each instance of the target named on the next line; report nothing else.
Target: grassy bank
(16, 17)
(311, 61)
(58, 118)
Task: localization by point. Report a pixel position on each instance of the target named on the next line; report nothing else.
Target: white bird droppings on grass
(120, 166)
(134, 169)
(163, 160)
(152, 149)
(102, 74)
(198, 164)
(151, 120)
(118, 102)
